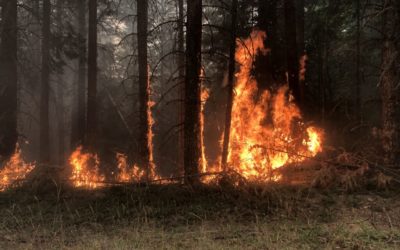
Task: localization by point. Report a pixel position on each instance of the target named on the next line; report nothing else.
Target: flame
(303, 67)
(204, 97)
(150, 134)
(85, 170)
(15, 169)
(267, 131)
(314, 140)
(127, 174)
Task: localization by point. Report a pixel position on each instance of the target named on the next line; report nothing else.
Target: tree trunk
(8, 79)
(230, 87)
(91, 115)
(268, 67)
(358, 64)
(144, 98)
(192, 91)
(301, 49)
(45, 87)
(181, 76)
(300, 27)
(79, 116)
(60, 95)
(291, 51)
(389, 80)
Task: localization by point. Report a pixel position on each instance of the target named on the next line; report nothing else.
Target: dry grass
(174, 217)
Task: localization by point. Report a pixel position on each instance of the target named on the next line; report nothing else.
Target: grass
(175, 217)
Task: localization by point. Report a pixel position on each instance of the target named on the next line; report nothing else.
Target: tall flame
(266, 131)
(85, 170)
(15, 169)
(204, 97)
(150, 134)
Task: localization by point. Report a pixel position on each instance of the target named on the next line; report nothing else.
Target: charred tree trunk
(79, 116)
(91, 115)
(291, 51)
(358, 63)
(301, 49)
(192, 149)
(389, 80)
(60, 95)
(181, 76)
(144, 98)
(230, 87)
(8, 79)
(269, 66)
(45, 87)
(300, 27)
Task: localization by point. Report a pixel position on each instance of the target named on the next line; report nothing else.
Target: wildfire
(14, 169)
(127, 174)
(85, 170)
(150, 134)
(267, 131)
(204, 97)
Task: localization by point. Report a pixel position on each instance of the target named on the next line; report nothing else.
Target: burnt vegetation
(199, 124)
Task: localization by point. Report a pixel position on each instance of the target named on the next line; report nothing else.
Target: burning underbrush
(14, 170)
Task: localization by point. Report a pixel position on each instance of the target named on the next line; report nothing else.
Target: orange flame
(85, 170)
(15, 169)
(126, 173)
(266, 131)
(150, 134)
(303, 65)
(204, 97)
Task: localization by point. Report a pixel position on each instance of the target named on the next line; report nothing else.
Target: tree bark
(358, 63)
(91, 115)
(181, 76)
(230, 87)
(301, 49)
(193, 91)
(144, 98)
(389, 80)
(45, 86)
(291, 51)
(60, 95)
(79, 116)
(269, 66)
(8, 79)
(300, 27)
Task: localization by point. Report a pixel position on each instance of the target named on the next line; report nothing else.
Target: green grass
(175, 217)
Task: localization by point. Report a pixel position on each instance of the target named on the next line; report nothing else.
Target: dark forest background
(55, 95)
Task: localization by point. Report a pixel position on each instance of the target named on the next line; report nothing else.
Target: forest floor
(175, 217)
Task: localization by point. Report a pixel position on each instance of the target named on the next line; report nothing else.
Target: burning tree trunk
(389, 80)
(181, 76)
(45, 87)
(144, 143)
(8, 79)
(192, 149)
(91, 122)
(79, 118)
(230, 87)
(291, 51)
